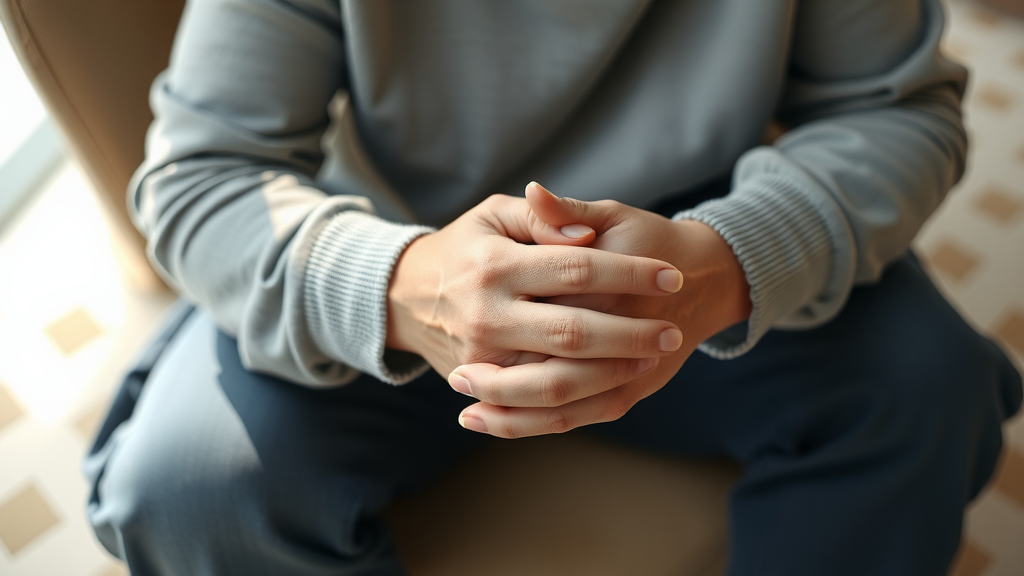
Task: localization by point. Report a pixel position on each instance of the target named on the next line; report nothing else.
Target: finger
(568, 212)
(512, 218)
(516, 422)
(579, 333)
(569, 235)
(557, 270)
(554, 382)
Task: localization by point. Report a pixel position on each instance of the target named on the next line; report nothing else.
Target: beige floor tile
(74, 330)
(1010, 476)
(994, 97)
(970, 560)
(10, 410)
(25, 516)
(985, 17)
(117, 569)
(1013, 429)
(999, 204)
(49, 456)
(952, 260)
(1010, 330)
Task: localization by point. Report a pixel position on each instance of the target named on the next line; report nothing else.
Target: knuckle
(488, 263)
(623, 371)
(555, 389)
(568, 335)
(637, 340)
(479, 328)
(534, 223)
(617, 408)
(634, 276)
(577, 206)
(511, 431)
(488, 274)
(576, 271)
(559, 422)
(494, 200)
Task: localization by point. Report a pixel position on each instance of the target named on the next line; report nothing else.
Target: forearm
(270, 257)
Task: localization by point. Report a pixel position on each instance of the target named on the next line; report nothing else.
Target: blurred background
(74, 309)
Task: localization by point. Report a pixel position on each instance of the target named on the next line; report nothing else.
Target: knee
(154, 493)
(198, 498)
(218, 464)
(948, 374)
(925, 359)
(940, 388)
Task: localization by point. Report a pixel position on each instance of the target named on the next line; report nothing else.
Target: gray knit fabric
(346, 287)
(257, 193)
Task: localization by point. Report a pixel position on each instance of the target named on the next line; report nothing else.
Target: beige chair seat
(566, 506)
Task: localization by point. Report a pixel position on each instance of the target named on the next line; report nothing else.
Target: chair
(569, 505)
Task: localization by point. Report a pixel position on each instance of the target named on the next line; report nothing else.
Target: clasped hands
(556, 313)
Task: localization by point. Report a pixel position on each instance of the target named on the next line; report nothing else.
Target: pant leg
(216, 470)
(862, 440)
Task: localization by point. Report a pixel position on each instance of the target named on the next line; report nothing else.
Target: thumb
(513, 218)
(566, 218)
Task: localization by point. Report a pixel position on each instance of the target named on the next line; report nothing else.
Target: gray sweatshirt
(300, 145)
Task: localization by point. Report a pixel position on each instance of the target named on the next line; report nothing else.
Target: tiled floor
(69, 324)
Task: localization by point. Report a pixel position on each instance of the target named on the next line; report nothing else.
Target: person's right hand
(468, 294)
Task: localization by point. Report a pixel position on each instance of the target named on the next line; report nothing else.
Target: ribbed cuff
(783, 243)
(345, 294)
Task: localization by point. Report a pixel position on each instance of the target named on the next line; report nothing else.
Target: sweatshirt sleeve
(877, 141)
(229, 205)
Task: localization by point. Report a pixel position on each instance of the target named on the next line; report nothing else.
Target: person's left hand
(715, 295)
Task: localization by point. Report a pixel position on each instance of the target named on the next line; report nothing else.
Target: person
(339, 187)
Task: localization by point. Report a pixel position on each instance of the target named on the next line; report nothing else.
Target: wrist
(715, 285)
(411, 289)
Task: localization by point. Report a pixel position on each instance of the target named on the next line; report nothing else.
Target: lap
(209, 439)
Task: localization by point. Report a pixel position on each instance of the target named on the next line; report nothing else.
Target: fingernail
(670, 340)
(579, 231)
(534, 183)
(471, 422)
(645, 365)
(459, 383)
(669, 280)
